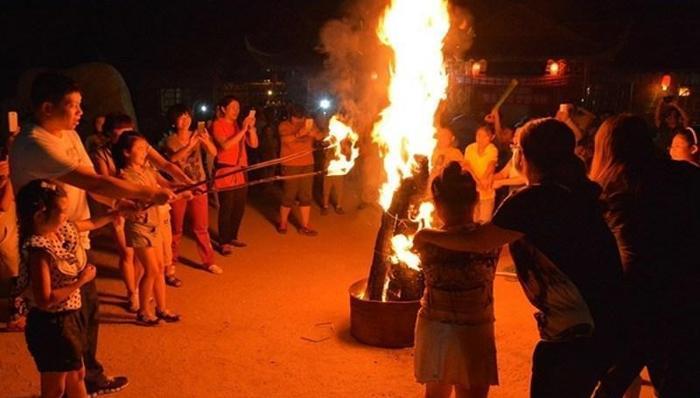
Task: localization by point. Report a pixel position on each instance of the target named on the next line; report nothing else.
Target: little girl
(145, 230)
(56, 267)
(454, 341)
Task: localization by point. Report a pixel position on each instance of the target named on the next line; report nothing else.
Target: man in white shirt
(52, 149)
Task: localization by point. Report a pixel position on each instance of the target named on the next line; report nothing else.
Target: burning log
(396, 221)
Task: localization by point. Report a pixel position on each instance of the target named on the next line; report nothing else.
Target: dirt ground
(254, 331)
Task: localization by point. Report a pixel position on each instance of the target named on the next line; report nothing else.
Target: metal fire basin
(387, 324)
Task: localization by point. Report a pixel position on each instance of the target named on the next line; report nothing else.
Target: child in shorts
(145, 230)
(55, 266)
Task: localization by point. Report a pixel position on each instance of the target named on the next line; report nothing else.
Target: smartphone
(201, 126)
(251, 113)
(12, 122)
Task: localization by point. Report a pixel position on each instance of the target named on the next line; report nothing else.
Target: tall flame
(415, 30)
(344, 139)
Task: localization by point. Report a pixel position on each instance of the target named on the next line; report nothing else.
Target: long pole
(256, 166)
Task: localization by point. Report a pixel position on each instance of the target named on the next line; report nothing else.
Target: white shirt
(479, 163)
(38, 154)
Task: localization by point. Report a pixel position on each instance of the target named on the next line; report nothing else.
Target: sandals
(172, 280)
(214, 269)
(143, 321)
(282, 229)
(167, 316)
(306, 231)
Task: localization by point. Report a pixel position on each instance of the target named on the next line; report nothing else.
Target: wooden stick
(509, 90)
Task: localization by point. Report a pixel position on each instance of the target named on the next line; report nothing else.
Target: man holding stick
(51, 149)
(297, 134)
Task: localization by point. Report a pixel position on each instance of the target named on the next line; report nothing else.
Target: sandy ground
(246, 333)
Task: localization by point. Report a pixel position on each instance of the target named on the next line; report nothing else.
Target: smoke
(357, 64)
(356, 72)
(356, 68)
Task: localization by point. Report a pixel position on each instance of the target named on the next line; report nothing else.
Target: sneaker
(324, 210)
(107, 385)
(214, 269)
(339, 210)
(307, 231)
(226, 249)
(238, 243)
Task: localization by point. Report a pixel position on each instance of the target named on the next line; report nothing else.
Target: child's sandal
(143, 321)
(167, 316)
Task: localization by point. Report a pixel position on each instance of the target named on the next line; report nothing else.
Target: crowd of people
(601, 221)
(55, 189)
(603, 235)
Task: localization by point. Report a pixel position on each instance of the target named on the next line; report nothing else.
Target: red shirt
(291, 144)
(229, 159)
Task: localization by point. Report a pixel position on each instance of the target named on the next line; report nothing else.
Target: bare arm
(112, 187)
(171, 168)
(487, 179)
(252, 139)
(96, 222)
(182, 153)
(206, 140)
(227, 144)
(6, 194)
(482, 239)
(40, 273)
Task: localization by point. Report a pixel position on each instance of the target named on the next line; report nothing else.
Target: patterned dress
(454, 341)
(68, 259)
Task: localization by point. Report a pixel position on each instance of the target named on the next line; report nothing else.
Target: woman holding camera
(232, 141)
(184, 148)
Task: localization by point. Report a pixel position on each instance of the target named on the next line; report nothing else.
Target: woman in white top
(480, 160)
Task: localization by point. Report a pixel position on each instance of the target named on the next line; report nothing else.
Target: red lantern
(555, 68)
(665, 82)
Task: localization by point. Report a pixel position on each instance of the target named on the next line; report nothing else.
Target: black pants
(231, 209)
(564, 369)
(89, 310)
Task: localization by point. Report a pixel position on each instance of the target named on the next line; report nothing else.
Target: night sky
(150, 34)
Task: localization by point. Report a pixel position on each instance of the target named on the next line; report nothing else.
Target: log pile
(404, 283)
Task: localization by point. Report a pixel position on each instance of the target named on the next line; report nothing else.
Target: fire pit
(387, 324)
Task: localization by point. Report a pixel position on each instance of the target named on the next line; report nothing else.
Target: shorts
(142, 235)
(56, 340)
(297, 188)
